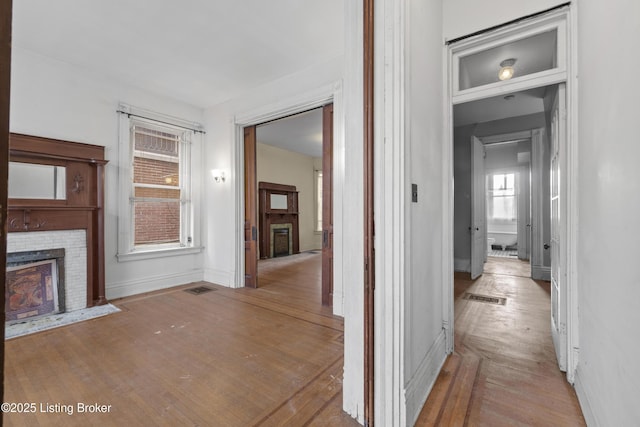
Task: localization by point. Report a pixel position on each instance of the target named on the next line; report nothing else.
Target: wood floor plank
(518, 382)
(229, 357)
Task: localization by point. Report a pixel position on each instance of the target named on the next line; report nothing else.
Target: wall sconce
(218, 175)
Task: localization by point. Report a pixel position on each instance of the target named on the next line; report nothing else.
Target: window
(160, 159)
(501, 197)
(318, 178)
(156, 214)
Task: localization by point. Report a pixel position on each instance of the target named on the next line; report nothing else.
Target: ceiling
(201, 52)
(301, 133)
(489, 109)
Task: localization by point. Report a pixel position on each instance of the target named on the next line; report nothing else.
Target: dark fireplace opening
(280, 242)
(34, 284)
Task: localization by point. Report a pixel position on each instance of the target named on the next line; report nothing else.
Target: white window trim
(190, 226)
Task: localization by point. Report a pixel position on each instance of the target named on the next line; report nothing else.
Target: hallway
(503, 371)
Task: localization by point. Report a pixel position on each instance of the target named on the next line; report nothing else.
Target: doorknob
(547, 246)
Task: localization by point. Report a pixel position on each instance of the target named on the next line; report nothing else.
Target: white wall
(222, 222)
(424, 336)
(410, 339)
(56, 100)
(338, 80)
(287, 167)
(462, 17)
(608, 375)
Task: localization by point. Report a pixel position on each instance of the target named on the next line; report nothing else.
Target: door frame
(304, 102)
(478, 208)
(566, 16)
(528, 200)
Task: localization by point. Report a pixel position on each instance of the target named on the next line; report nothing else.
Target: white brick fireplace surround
(75, 258)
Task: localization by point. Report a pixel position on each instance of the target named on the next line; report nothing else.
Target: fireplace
(34, 284)
(278, 220)
(57, 201)
(281, 240)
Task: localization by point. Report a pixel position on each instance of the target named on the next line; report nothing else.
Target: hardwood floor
(504, 370)
(273, 356)
(229, 357)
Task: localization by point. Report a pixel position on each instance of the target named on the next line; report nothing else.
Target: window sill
(157, 253)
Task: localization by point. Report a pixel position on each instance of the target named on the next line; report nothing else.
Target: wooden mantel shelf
(83, 207)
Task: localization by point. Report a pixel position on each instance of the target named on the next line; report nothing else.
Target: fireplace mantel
(270, 214)
(82, 207)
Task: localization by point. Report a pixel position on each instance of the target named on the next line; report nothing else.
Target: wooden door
(478, 212)
(5, 73)
(327, 205)
(250, 209)
(558, 229)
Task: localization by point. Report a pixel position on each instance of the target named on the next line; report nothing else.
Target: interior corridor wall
(608, 374)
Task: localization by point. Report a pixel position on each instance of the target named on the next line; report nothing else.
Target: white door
(558, 228)
(478, 210)
(522, 185)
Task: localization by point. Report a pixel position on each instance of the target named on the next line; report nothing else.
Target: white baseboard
(149, 284)
(583, 399)
(338, 304)
(419, 387)
(540, 273)
(460, 264)
(219, 277)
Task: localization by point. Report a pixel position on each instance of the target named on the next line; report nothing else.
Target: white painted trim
(219, 277)
(303, 102)
(420, 385)
(462, 265)
(390, 212)
(158, 253)
(573, 217)
(448, 267)
(504, 137)
(531, 81)
(567, 53)
(151, 283)
(555, 19)
(539, 272)
(585, 404)
(537, 202)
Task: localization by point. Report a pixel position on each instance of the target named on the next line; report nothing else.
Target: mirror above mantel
(37, 181)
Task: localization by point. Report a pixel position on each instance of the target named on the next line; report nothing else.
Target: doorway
(472, 84)
(288, 185)
(502, 181)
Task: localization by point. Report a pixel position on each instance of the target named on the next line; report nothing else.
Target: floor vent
(200, 290)
(485, 298)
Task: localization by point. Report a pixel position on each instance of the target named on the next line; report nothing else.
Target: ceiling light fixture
(506, 69)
